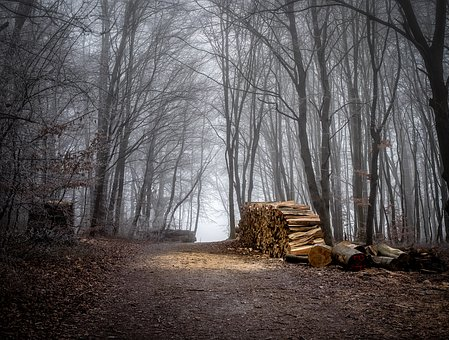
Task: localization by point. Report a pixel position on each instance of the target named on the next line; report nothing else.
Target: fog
(144, 116)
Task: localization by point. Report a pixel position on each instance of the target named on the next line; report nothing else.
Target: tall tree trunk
(433, 56)
(319, 199)
(108, 94)
(355, 127)
(229, 141)
(376, 125)
(169, 206)
(320, 38)
(146, 185)
(98, 209)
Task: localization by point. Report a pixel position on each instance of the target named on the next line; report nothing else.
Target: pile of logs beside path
(292, 231)
(357, 257)
(280, 228)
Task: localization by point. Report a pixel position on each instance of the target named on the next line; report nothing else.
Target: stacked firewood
(280, 228)
(291, 230)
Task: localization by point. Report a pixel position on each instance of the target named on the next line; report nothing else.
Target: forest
(147, 115)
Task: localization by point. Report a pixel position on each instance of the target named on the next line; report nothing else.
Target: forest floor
(116, 289)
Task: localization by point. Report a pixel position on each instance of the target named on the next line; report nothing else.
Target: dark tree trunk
(319, 199)
(433, 58)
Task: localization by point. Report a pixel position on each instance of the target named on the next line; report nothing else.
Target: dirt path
(208, 291)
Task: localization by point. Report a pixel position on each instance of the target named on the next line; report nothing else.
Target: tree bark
(98, 209)
(433, 59)
(319, 201)
(355, 127)
(350, 258)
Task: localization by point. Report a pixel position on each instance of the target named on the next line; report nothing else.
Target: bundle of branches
(280, 228)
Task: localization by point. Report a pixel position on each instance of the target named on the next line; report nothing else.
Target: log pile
(422, 260)
(280, 228)
(52, 221)
(357, 257)
(291, 230)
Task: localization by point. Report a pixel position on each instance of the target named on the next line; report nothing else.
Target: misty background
(153, 115)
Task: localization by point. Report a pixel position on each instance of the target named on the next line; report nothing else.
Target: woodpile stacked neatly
(291, 230)
(280, 228)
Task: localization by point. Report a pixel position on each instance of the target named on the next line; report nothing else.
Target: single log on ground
(385, 250)
(320, 255)
(386, 262)
(296, 258)
(402, 258)
(348, 257)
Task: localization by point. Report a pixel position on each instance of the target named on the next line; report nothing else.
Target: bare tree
(40, 92)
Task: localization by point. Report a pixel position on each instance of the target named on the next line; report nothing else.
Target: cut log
(303, 220)
(292, 213)
(301, 250)
(371, 250)
(320, 255)
(296, 258)
(385, 250)
(386, 262)
(315, 232)
(301, 228)
(402, 258)
(289, 205)
(348, 257)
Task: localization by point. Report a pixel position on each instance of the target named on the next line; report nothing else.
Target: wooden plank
(290, 204)
(310, 218)
(301, 250)
(301, 228)
(302, 223)
(315, 232)
(293, 211)
(301, 242)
